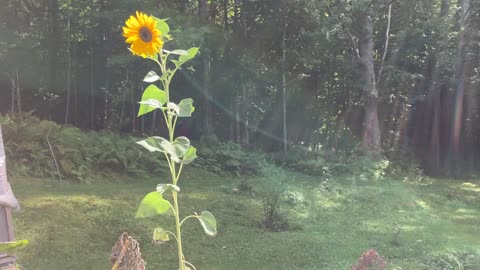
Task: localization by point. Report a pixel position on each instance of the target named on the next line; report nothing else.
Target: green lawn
(74, 226)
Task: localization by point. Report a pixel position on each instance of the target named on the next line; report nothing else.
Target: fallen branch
(55, 160)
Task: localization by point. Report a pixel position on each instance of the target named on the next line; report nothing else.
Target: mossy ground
(74, 226)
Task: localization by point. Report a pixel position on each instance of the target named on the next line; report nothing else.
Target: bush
(370, 260)
(271, 191)
(453, 259)
(326, 164)
(227, 157)
(81, 156)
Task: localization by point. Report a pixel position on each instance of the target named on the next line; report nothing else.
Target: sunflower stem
(171, 123)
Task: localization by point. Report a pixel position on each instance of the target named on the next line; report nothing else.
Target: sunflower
(141, 32)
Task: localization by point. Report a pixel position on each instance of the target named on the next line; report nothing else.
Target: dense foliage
(283, 72)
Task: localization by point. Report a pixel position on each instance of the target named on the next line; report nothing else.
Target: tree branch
(387, 37)
(348, 34)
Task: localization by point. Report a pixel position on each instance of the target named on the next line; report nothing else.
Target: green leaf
(190, 155)
(191, 54)
(162, 26)
(151, 77)
(12, 247)
(161, 188)
(151, 92)
(208, 222)
(154, 144)
(185, 108)
(182, 59)
(177, 52)
(181, 145)
(160, 235)
(152, 103)
(152, 205)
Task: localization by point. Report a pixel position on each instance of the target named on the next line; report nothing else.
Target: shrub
(370, 260)
(227, 157)
(271, 194)
(468, 259)
(82, 156)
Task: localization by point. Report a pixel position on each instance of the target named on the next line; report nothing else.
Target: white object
(7, 198)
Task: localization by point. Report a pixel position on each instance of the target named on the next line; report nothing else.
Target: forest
(331, 134)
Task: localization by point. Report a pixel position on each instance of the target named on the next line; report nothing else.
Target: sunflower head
(141, 32)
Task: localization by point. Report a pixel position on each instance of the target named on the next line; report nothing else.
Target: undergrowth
(37, 147)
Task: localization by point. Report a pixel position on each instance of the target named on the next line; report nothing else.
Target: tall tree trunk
(284, 88)
(19, 95)
(246, 130)
(371, 130)
(237, 121)
(433, 161)
(244, 108)
(203, 14)
(75, 83)
(92, 85)
(52, 40)
(464, 16)
(69, 70)
(225, 14)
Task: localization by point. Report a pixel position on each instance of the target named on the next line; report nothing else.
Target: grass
(74, 226)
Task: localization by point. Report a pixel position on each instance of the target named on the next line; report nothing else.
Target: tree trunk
(433, 161)
(203, 14)
(284, 90)
(464, 16)
(92, 85)
(52, 40)
(371, 130)
(246, 130)
(69, 71)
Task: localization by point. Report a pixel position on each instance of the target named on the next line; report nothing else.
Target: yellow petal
(132, 22)
(131, 39)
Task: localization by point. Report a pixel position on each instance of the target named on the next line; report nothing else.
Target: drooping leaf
(152, 103)
(191, 54)
(152, 205)
(186, 107)
(177, 52)
(151, 77)
(154, 144)
(161, 188)
(151, 92)
(182, 59)
(12, 247)
(160, 235)
(181, 145)
(209, 223)
(190, 155)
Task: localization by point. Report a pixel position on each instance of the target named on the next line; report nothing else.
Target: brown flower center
(145, 34)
